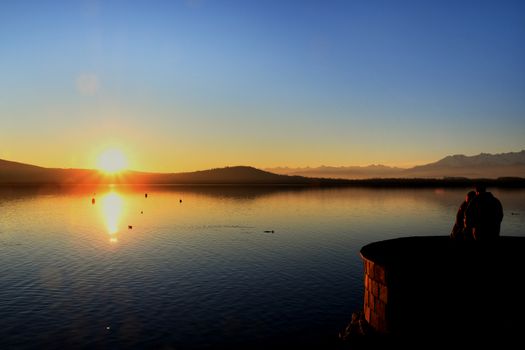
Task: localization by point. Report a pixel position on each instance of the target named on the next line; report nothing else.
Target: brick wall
(376, 296)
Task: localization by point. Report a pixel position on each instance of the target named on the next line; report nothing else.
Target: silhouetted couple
(479, 216)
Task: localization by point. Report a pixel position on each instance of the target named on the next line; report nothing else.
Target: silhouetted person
(459, 231)
(484, 215)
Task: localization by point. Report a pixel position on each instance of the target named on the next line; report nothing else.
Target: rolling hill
(19, 173)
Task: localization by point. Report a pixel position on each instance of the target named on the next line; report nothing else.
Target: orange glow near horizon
(112, 161)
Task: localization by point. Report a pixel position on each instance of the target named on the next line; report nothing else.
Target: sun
(111, 161)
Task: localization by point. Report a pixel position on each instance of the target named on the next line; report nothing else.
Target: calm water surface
(203, 272)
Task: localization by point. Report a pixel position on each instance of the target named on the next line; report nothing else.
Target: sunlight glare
(111, 161)
(111, 211)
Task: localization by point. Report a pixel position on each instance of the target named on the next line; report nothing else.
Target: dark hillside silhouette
(231, 175)
(13, 173)
(19, 173)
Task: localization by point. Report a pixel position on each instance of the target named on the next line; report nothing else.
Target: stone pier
(436, 287)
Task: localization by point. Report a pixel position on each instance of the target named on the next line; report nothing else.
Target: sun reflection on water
(112, 207)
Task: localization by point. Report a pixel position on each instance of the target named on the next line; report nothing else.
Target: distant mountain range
(484, 165)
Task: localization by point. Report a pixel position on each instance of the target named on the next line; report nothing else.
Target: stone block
(370, 270)
(379, 274)
(379, 308)
(375, 289)
(367, 314)
(383, 294)
(371, 302)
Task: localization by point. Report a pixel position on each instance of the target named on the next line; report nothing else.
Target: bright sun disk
(111, 161)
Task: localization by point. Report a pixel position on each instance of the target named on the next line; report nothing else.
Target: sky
(192, 85)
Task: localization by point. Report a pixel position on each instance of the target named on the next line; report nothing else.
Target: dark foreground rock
(423, 291)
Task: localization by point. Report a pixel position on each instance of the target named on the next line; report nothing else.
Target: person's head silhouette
(469, 196)
(480, 188)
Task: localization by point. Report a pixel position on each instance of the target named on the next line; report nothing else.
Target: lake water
(197, 269)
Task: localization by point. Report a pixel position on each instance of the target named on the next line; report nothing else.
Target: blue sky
(187, 85)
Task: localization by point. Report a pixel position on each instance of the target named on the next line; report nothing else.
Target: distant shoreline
(509, 182)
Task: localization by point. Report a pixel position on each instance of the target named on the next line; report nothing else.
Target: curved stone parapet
(437, 286)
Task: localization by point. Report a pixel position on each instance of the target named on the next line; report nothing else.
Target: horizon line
(266, 167)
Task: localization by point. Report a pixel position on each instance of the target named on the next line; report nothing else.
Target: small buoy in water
(180, 200)
(93, 200)
(145, 195)
(142, 212)
(108, 327)
(269, 231)
(130, 227)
